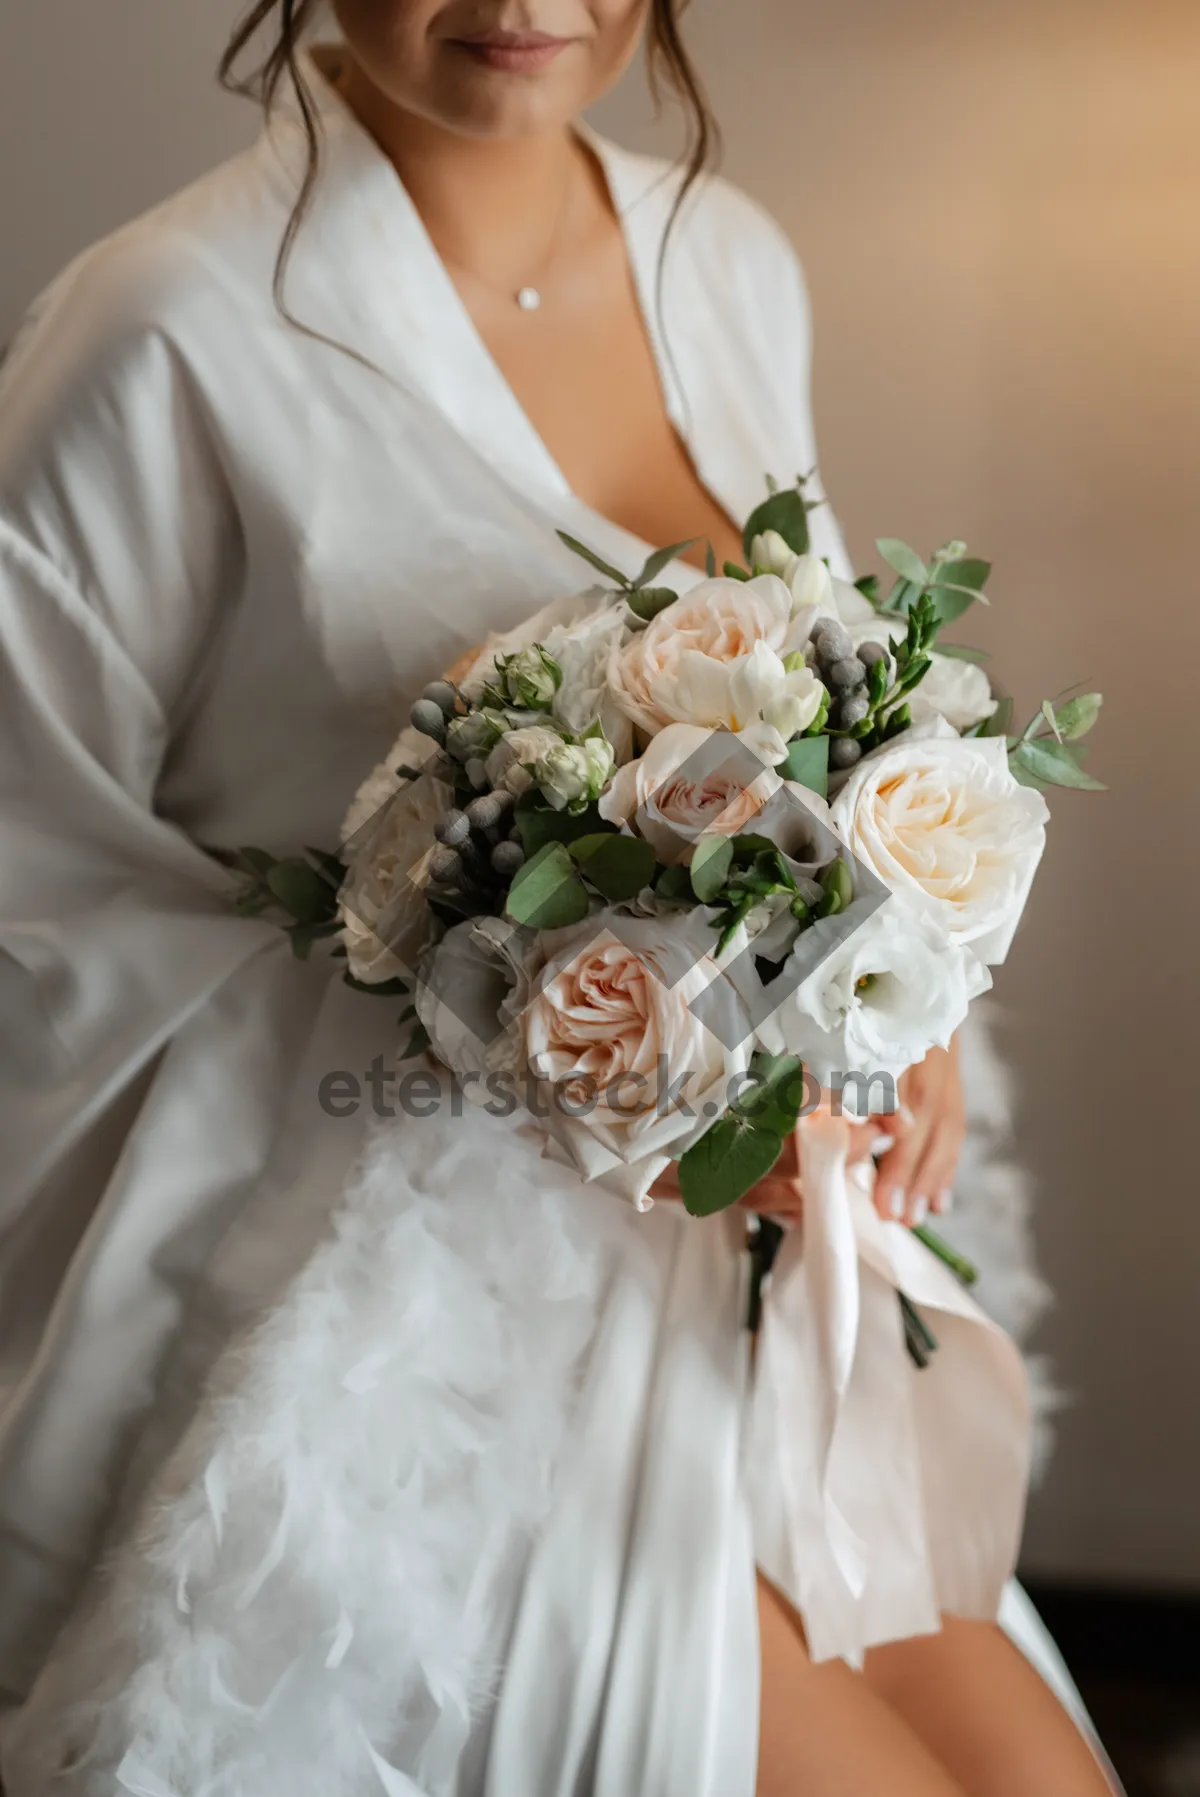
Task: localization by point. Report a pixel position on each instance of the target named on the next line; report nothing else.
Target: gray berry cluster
(845, 670)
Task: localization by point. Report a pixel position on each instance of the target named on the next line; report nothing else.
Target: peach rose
(681, 668)
(690, 781)
(629, 1065)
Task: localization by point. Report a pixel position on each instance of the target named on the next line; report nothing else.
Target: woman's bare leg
(985, 1714)
(824, 1732)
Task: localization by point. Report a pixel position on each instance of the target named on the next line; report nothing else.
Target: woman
(270, 460)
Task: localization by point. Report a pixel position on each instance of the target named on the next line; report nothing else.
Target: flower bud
(847, 673)
(507, 859)
(429, 719)
(441, 694)
(844, 752)
(453, 829)
(771, 554)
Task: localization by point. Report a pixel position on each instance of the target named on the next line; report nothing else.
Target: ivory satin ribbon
(884, 1495)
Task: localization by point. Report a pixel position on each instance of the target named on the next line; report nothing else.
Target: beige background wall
(998, 204)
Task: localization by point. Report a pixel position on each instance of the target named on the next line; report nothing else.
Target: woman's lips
(517, 52)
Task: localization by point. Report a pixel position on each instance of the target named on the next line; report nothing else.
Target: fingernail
(896, 1203)
(945, 1202)
(920, 1210)
(883, 1145)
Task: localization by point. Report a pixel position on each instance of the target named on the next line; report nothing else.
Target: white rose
(388, 836)
(689, 782)
(678, 670)
(564, 613)
(582, 650)
(610, 1031)
(942, 822)
(511, 762)
(886, 995)
(574, 773)
(470, 992)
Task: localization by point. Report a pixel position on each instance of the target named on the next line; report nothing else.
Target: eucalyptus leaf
(785, 512)
(971, 574)
(300, 889)
(712, 859)
(710, 562)
(547, 893)
(646, 602)
(1000, 722)
(1053, 763)
(960, 652)
(658, 561)
(808, 763)
(724, 1164)
(951, 602)
(903, 560)
(539, 824)
(674, 884)
(1076, 716)
(776, 1098)
(617, 866)
(596, 561)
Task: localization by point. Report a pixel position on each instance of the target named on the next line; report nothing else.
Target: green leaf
(1051, 720)
(300, 889)
(303, 935)
(1051, 763)
(838, 887)
(868, 586)
(711, 860)
(731, 571)
(776, 1098)
(382, 989)
(951, 602)
(418, 1042)
(808, 763)
(256, 861)
(674, 884)
(785, 512)
(902, 597)
(547, 893)
(905, 561)
(1000, 722)
(657, 562)
(539, 824)
(617, 866)
(1076, 716)
(596, 561)
(647, 602)
(971, 573)
(725, 1163)
(710, 562)
(960, 652)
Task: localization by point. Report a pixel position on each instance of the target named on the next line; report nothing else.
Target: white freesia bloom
(511, 762)
(388, 835)
(817, 594)
(891, 991)
(942, 822)
(679, 669)
(610, 1032)
(574, 773)
(771, 554)
(690, 781)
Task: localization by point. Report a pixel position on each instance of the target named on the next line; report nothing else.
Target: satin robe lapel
(365, 273)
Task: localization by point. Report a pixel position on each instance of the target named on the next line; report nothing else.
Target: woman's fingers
(895, 1193)
(934, 1171)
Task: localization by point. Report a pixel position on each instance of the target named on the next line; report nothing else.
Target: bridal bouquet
(666, 867)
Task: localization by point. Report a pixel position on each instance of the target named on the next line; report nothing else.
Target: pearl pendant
(529, 299)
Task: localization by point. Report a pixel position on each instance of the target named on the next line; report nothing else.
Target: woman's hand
(927, 1136)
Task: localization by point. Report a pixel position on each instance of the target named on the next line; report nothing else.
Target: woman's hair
(672, 75)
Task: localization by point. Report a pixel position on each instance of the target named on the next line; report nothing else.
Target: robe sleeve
(118, 546)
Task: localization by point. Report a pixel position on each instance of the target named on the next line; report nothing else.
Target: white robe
(230, 553)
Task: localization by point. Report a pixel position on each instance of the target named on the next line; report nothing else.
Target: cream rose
(388, 837)
(690, 781)
(677, 670)
(628, 1067)
(511, 762)
(943, 823)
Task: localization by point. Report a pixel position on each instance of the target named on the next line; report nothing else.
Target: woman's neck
(492, 207)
